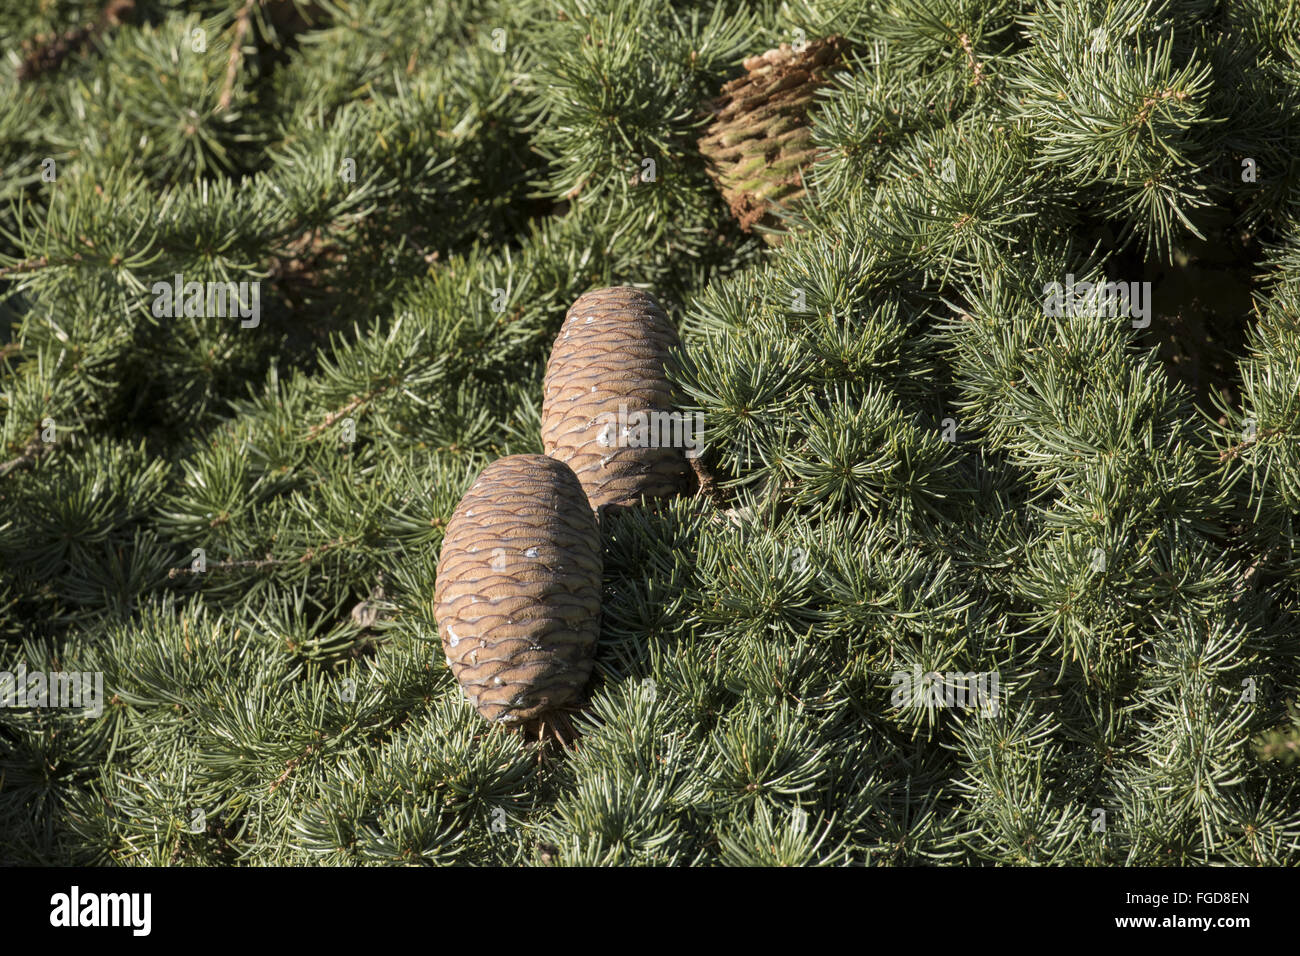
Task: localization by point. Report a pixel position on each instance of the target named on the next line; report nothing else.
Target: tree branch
(236, 56)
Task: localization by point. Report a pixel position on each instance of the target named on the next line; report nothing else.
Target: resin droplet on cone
(608, 367)
(518, 589)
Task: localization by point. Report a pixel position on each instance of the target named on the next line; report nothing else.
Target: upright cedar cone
(518, 590)
(607, 372)
(759, 143)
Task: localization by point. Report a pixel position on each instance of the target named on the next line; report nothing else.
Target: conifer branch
(708, 484)
(26, 265)
(32, 453)
(924, 492)
(976, 67)
(242, 23)
(267, 563)
(291, 766)
(358, 401)
(1263, 434)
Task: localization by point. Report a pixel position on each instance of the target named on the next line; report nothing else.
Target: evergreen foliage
(919, 468)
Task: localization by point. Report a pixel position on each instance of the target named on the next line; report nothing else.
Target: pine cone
(759, 143)
(608, 409)
(518, 589)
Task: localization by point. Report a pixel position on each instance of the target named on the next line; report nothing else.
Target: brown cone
(613, 350)
(518, 589)
(759, 144)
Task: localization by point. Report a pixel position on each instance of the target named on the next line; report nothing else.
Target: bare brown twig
(26, 265)
(236, 55)
(1235, 451)
(30, 455)
(315, 431)
(258, 564)
(291, 766)
(708, 484)
(977, 68)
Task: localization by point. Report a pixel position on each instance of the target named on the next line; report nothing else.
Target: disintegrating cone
(608, 409)
(518, 590)
(759, 144)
